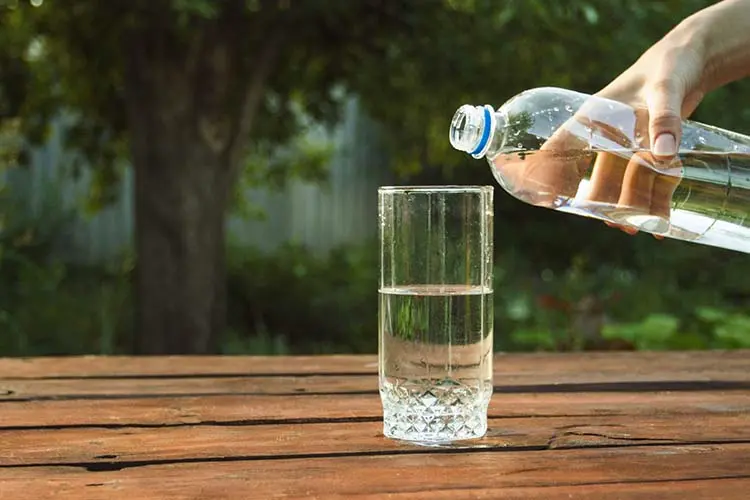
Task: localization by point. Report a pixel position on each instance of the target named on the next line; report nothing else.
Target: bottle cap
(472, 128)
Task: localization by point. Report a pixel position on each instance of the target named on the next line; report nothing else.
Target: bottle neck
(473, 129)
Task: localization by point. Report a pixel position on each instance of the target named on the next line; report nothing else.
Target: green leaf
(534, 339)
(735, 331)
(591, 14)
(654, 332)
(710, 314)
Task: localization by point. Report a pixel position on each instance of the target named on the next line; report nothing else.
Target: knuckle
(664, 86)
(664, 120)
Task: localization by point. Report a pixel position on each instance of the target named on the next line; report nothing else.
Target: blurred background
(196, 176)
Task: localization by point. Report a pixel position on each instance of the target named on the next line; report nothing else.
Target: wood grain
(476, 474)
(517, 364)
(702, 489)
(697, 489)
(82, 388)
(588, 425)
(165, 411)
(206, 386)
(690, 489)
(146, 366)
(112, 446)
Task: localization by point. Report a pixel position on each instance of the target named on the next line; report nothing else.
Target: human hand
(593, 164)
(663, 86)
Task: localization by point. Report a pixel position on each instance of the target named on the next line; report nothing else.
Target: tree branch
(262, 68)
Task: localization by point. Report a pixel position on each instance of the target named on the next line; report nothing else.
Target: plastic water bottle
(590, 156)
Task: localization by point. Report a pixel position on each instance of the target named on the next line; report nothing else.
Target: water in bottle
(590, 156)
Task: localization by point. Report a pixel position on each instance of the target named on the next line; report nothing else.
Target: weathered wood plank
(123, 445)
(121, 387)
(701, 489)
(243, 409)
(627, 363)
(474, 474)
(224, 443)
(144, 366)
(658, 379)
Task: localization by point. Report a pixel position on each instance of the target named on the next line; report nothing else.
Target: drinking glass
(435, 311)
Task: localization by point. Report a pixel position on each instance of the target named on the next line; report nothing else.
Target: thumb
(665, 122)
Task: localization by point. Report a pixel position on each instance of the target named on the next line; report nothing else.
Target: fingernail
(665, 145)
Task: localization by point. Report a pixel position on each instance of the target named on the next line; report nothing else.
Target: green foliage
(412, 63)
(303, 157)
(487, 51)
(207, 9)
(597, 306)
(292, 301)
(655, 331)
(258, 343)
(47, 307)
(730, 328)
(311, 303)
(78, 63)
(562, 282)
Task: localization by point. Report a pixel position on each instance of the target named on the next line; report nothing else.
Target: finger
(666, 182)
(616, 131)
(606, 186)
(664, 103)
(547, 176)
(572, 159)
(631, 230)
(606, 178)
(599, 124)
(647, 190)
(638, 185)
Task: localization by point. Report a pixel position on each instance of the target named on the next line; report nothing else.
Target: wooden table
(589, 426)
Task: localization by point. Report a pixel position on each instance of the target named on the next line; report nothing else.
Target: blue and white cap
(472, 129)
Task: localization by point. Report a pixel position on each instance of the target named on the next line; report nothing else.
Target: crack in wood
(628, 387)
(563, 388)
(252, 422)
(174, 376)
(577, 426)
(217, 423)
(622, 438)
(100, 397)
(558, 440)
(128, 464)
(110, 466)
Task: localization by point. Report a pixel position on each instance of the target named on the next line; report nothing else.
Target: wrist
(720, 37)
(693, 37)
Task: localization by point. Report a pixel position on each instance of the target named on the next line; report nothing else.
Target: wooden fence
(320, 216)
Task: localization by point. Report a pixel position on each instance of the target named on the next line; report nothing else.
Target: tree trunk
(180, 205)
(190, 107)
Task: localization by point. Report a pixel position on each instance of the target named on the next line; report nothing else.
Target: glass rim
(424, 189)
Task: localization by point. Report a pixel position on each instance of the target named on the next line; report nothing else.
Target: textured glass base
(430, 412)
